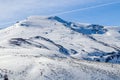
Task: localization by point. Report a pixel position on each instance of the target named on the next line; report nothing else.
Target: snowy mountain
(50, 48)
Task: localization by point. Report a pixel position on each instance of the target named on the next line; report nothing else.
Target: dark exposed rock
(61, 48)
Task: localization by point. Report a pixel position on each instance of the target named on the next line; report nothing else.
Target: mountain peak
(37, 17)
(53, 18)
(44, 17)
(48, 21)
(43, 21)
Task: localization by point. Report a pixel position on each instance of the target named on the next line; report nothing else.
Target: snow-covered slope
(50, 48)
(47, 65)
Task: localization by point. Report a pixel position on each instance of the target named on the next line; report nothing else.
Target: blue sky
(104, 12)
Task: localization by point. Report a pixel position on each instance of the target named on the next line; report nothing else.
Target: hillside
(50, 48)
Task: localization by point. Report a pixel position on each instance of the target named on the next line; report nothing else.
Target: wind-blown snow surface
(49, 48)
